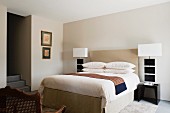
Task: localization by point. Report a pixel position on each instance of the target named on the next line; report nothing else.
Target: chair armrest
(61, 110)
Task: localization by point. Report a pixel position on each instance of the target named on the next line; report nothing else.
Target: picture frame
(46, 53)
(46, 38)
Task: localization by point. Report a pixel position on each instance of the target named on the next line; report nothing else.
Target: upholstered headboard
(126, 55)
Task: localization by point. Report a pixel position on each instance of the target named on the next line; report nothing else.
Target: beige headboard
(126, 55)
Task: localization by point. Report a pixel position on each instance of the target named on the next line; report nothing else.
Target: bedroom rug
(140, 107)
(134, 107)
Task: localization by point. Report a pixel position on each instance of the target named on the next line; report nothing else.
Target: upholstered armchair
(16, 101)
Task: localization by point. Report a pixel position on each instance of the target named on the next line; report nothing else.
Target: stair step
(25, 88)
(17, 84)
(13, 78)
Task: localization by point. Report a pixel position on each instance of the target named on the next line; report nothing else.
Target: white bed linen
(91, 86)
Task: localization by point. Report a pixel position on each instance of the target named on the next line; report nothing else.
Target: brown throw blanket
(120, 85)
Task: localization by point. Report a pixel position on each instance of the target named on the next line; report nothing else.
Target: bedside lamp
(80, 53)
(149, 64)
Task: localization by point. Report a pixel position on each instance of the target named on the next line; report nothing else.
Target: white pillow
(94, 65)
(93, 70)
(120, 65)
(119, 71)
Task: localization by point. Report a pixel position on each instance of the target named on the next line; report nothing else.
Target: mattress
(91, 86)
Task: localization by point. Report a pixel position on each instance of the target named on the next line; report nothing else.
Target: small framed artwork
(46, 38)
(46, 53)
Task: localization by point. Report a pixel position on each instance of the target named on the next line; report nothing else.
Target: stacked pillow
(111, 67)
(119, 67)
(94, 67)
(119, 71)
(93, 70)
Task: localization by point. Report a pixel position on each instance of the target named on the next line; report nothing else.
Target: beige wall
(44, 67)
(120, 31)
(24, 62)
(3, 40)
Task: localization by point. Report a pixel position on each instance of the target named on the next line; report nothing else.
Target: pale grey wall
(41, 68)
(27, 49)
(3, 41)
(120, 31)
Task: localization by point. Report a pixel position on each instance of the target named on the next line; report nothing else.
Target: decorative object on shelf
(80, 53)
(148, 50)
(46, 38)
(46, 53)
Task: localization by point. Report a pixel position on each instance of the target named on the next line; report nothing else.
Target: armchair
(16, 101)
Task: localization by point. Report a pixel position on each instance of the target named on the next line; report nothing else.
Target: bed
(85, 102)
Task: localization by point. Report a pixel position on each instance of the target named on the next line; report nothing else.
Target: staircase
(15, 81)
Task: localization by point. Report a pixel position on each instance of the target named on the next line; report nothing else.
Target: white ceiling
(73, 10)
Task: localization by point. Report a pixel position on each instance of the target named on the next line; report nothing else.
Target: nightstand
(141, 89)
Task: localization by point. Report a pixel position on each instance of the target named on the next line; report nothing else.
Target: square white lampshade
(80, 52)
(150, 49)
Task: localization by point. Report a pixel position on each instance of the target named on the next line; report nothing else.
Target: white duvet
(91, 86)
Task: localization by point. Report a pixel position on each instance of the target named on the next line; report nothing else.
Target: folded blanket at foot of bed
(120, 85)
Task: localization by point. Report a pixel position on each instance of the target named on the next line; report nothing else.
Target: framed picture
(46, 53)
(46, 38)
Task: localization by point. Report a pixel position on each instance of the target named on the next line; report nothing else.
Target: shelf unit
(79, 65)
(149, 70)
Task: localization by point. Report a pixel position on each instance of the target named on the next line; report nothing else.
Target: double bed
(90, 95)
